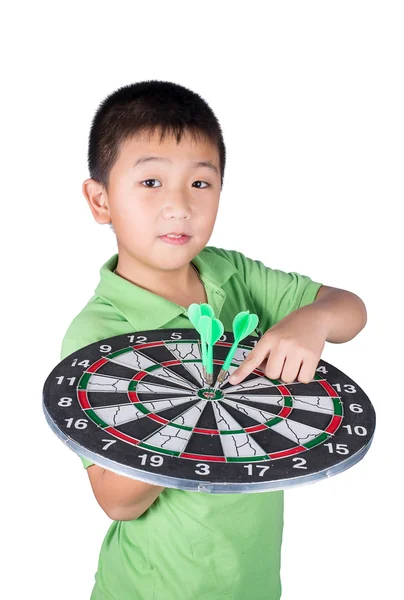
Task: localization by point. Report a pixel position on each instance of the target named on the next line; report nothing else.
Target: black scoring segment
(172, 412)
(102, 399)
(311, 418)
(158, 353)
(314, 388)
(263, 390)
(207, 419)
(271, 441)
(240, 413)
(113, 369)
(185, 374)
(141, 428)
(204, 444)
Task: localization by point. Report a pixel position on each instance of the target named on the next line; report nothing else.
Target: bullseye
(210, 394)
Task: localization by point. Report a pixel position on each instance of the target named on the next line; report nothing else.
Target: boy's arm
(344, 311)
(120, 497)
(292, 348)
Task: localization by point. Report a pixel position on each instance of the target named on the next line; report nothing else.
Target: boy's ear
(97, 200)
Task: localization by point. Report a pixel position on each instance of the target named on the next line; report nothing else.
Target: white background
(310, 99)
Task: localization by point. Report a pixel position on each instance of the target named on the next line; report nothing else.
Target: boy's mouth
(175, 238)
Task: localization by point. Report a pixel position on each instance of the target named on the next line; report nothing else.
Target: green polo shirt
(193, 545)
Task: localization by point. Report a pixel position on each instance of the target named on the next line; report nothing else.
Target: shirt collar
(146, 310)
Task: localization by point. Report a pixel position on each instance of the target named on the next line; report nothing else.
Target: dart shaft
(220, 378)
(230, 355)
(207, 377)
(204, 353)
(209, 366)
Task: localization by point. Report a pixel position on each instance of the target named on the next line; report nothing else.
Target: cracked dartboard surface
(136, 404)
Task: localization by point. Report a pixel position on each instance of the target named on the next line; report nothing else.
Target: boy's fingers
(276, 364)
(263, 365)
(253, 360)
(307, 371)
(290, 369)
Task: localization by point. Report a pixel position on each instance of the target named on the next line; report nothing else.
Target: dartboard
(137, 404)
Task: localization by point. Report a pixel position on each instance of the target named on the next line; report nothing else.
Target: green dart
(195, 312)
(211, 331)
(243, 324)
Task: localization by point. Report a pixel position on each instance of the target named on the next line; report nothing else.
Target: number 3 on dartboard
(205, 469)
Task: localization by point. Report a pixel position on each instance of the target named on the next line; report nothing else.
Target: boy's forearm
(128, 498)
(343, 312)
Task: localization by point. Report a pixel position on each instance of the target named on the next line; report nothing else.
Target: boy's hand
(294, 343)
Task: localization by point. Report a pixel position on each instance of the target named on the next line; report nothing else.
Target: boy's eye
(146, 181)
(208, 184)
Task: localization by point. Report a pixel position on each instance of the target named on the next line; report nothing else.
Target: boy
(156, 160)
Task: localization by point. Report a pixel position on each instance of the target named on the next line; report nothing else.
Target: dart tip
(218, 383)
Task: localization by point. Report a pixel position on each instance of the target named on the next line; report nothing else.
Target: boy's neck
(163, 283)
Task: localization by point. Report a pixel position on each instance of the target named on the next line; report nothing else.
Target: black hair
(143, 107)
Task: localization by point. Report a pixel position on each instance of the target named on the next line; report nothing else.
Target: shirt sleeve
(275, 293)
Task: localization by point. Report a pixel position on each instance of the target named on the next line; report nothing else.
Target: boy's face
(158, 197)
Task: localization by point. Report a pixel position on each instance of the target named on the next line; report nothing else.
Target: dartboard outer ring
(104, 402)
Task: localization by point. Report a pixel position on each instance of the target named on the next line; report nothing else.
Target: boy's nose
(177, 204)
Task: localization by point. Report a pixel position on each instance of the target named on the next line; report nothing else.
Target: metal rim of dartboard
(136, 404)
